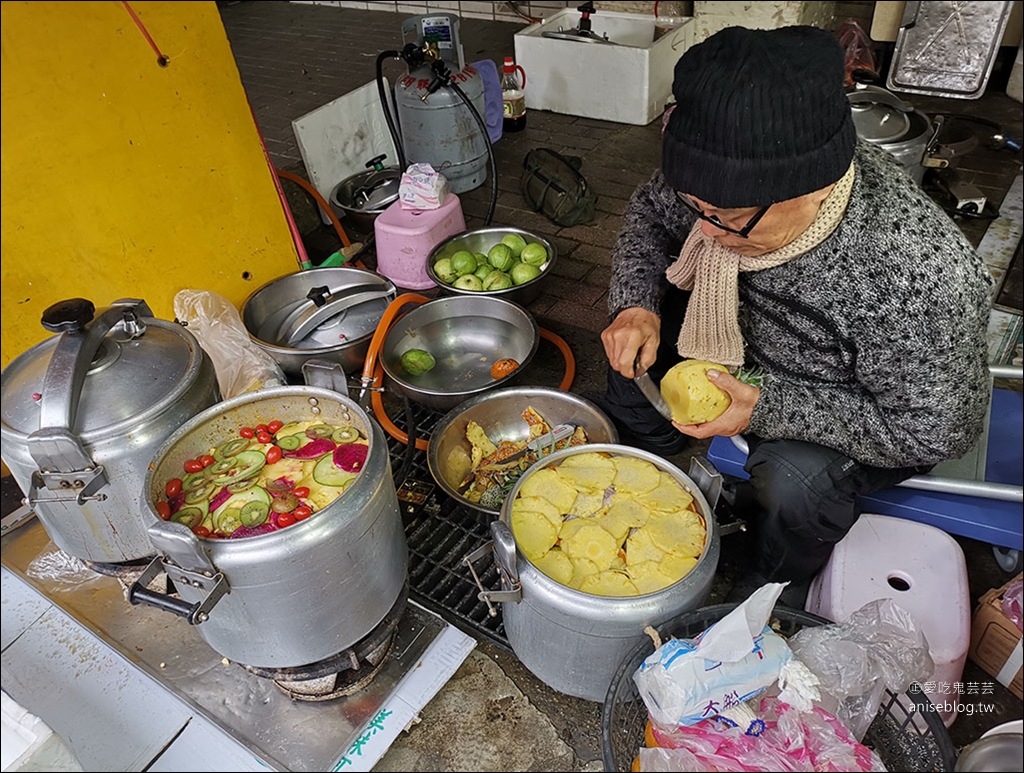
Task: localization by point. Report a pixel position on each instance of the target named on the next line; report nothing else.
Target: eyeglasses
(743, 232)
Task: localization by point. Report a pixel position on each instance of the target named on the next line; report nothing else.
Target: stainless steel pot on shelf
(83, 412)
(294, 596)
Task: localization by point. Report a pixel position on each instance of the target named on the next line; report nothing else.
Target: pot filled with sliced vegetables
(275, 516)
(595, 543)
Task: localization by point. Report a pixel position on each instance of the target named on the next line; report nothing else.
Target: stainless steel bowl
(481, 240)
(277, 315)
(465, 335)
(363, 196)
(500, 415)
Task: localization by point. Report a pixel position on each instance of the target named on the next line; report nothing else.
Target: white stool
(919, 567)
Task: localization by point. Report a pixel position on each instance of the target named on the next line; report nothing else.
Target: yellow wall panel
(122, 178)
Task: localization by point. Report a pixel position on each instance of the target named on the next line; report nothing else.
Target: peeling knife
(650, 389)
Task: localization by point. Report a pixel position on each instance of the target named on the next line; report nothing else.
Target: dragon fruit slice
(219, 498)
(350, 457)
(254, 531)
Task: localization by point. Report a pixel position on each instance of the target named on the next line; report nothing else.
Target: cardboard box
(996, 641)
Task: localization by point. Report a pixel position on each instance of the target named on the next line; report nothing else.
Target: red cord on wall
(161, 59)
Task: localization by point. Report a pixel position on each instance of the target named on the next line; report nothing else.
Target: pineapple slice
(592, 542)
(535, 534)
(609, 583)
(556, 565)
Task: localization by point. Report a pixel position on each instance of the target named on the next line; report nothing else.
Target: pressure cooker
(293, 596)
(83, 413)
(574, 641)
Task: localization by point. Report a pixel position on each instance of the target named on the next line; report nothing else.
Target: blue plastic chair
(980, 496)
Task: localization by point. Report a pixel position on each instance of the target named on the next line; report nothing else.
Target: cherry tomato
(285, 519)
(273, 454)
(301, 492)
(206, 460)
(302, 512)
(261, 427)
(201, 531)
(247, 432)
(173, 487)
(274, 426)
(193, 465)
(264, 437)
(163, 509)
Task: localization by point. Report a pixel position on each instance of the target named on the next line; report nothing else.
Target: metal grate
(441, 533)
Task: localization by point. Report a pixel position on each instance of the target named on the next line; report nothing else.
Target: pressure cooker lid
(369, 191)
(878, 115)
(128, 376)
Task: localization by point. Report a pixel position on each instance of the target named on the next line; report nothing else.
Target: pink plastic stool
(405, 237)
(922, 569)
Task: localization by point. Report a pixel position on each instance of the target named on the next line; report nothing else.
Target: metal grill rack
(440, 534)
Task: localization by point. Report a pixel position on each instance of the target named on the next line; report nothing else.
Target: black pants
(801, 498)
(805, 501)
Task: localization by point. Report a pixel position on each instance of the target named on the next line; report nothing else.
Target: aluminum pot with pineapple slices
(574, 641)
(296, 595)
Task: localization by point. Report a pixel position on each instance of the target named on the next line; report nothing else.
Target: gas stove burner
(345, 673)
(122, 570)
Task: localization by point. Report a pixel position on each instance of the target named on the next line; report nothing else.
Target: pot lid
(878, 115)
(140, 365)
(370, 191)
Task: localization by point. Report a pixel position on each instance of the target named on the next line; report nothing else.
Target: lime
(497, 280)
(463, 262)
(534, 254)
(523, 273)
(445, 272)
(416, 362)
(500, 256)
(469, 282)
(515, 242)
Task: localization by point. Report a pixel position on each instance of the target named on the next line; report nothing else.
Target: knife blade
(650, 390)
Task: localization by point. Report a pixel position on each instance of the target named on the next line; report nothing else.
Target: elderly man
(773, 238)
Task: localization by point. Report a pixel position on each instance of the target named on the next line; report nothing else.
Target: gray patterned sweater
(874, 342)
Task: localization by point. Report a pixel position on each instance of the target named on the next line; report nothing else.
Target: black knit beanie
(761, 116)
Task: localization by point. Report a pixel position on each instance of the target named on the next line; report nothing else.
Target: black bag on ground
(552, 184)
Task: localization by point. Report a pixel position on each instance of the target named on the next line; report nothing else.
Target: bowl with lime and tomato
(501, 261)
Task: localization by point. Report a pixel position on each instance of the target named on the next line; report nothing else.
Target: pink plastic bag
(857, 48)
(1011, 603)
(791, 741)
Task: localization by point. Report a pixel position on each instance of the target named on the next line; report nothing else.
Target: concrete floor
(293, 58)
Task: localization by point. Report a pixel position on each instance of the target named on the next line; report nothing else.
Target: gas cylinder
(439, 129)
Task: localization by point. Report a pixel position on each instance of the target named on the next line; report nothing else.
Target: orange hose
(567, 355)
(319, 200)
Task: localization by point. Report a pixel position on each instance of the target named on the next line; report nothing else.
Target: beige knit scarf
(711, 329)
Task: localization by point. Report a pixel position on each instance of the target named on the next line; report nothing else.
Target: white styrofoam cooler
(922, 569)
(630, 82)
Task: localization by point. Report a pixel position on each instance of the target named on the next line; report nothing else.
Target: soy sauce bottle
(513, 96)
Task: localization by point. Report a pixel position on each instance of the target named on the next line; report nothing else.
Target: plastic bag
(241, 366)
(879, 647)
(1011, 603)
(857, 50)
(791, 740)
(60, 571)
(686, 681)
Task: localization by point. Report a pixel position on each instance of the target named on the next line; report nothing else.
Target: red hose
(319, 200)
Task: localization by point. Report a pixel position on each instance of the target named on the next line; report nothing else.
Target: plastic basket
(907, 734)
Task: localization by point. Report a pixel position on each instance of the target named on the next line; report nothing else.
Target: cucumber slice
(254, 514)
(241, 499)
(327, 474)
(290, 442)
(248, 464)
(345, 435)
(231, 448)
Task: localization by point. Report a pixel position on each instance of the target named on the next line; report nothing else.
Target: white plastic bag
(241, 365)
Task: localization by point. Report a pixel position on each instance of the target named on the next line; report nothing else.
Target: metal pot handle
(64, 468)
(192, 568)
(511, 588)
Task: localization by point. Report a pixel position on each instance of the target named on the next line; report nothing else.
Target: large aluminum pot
(83, 413)
(298, 595)
(322, 313)
(574, 641)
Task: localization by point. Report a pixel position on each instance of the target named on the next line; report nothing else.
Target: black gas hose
(381, 92)
(487, 141)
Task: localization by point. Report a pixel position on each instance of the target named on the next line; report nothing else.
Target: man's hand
(736, 417)
(633, 330)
